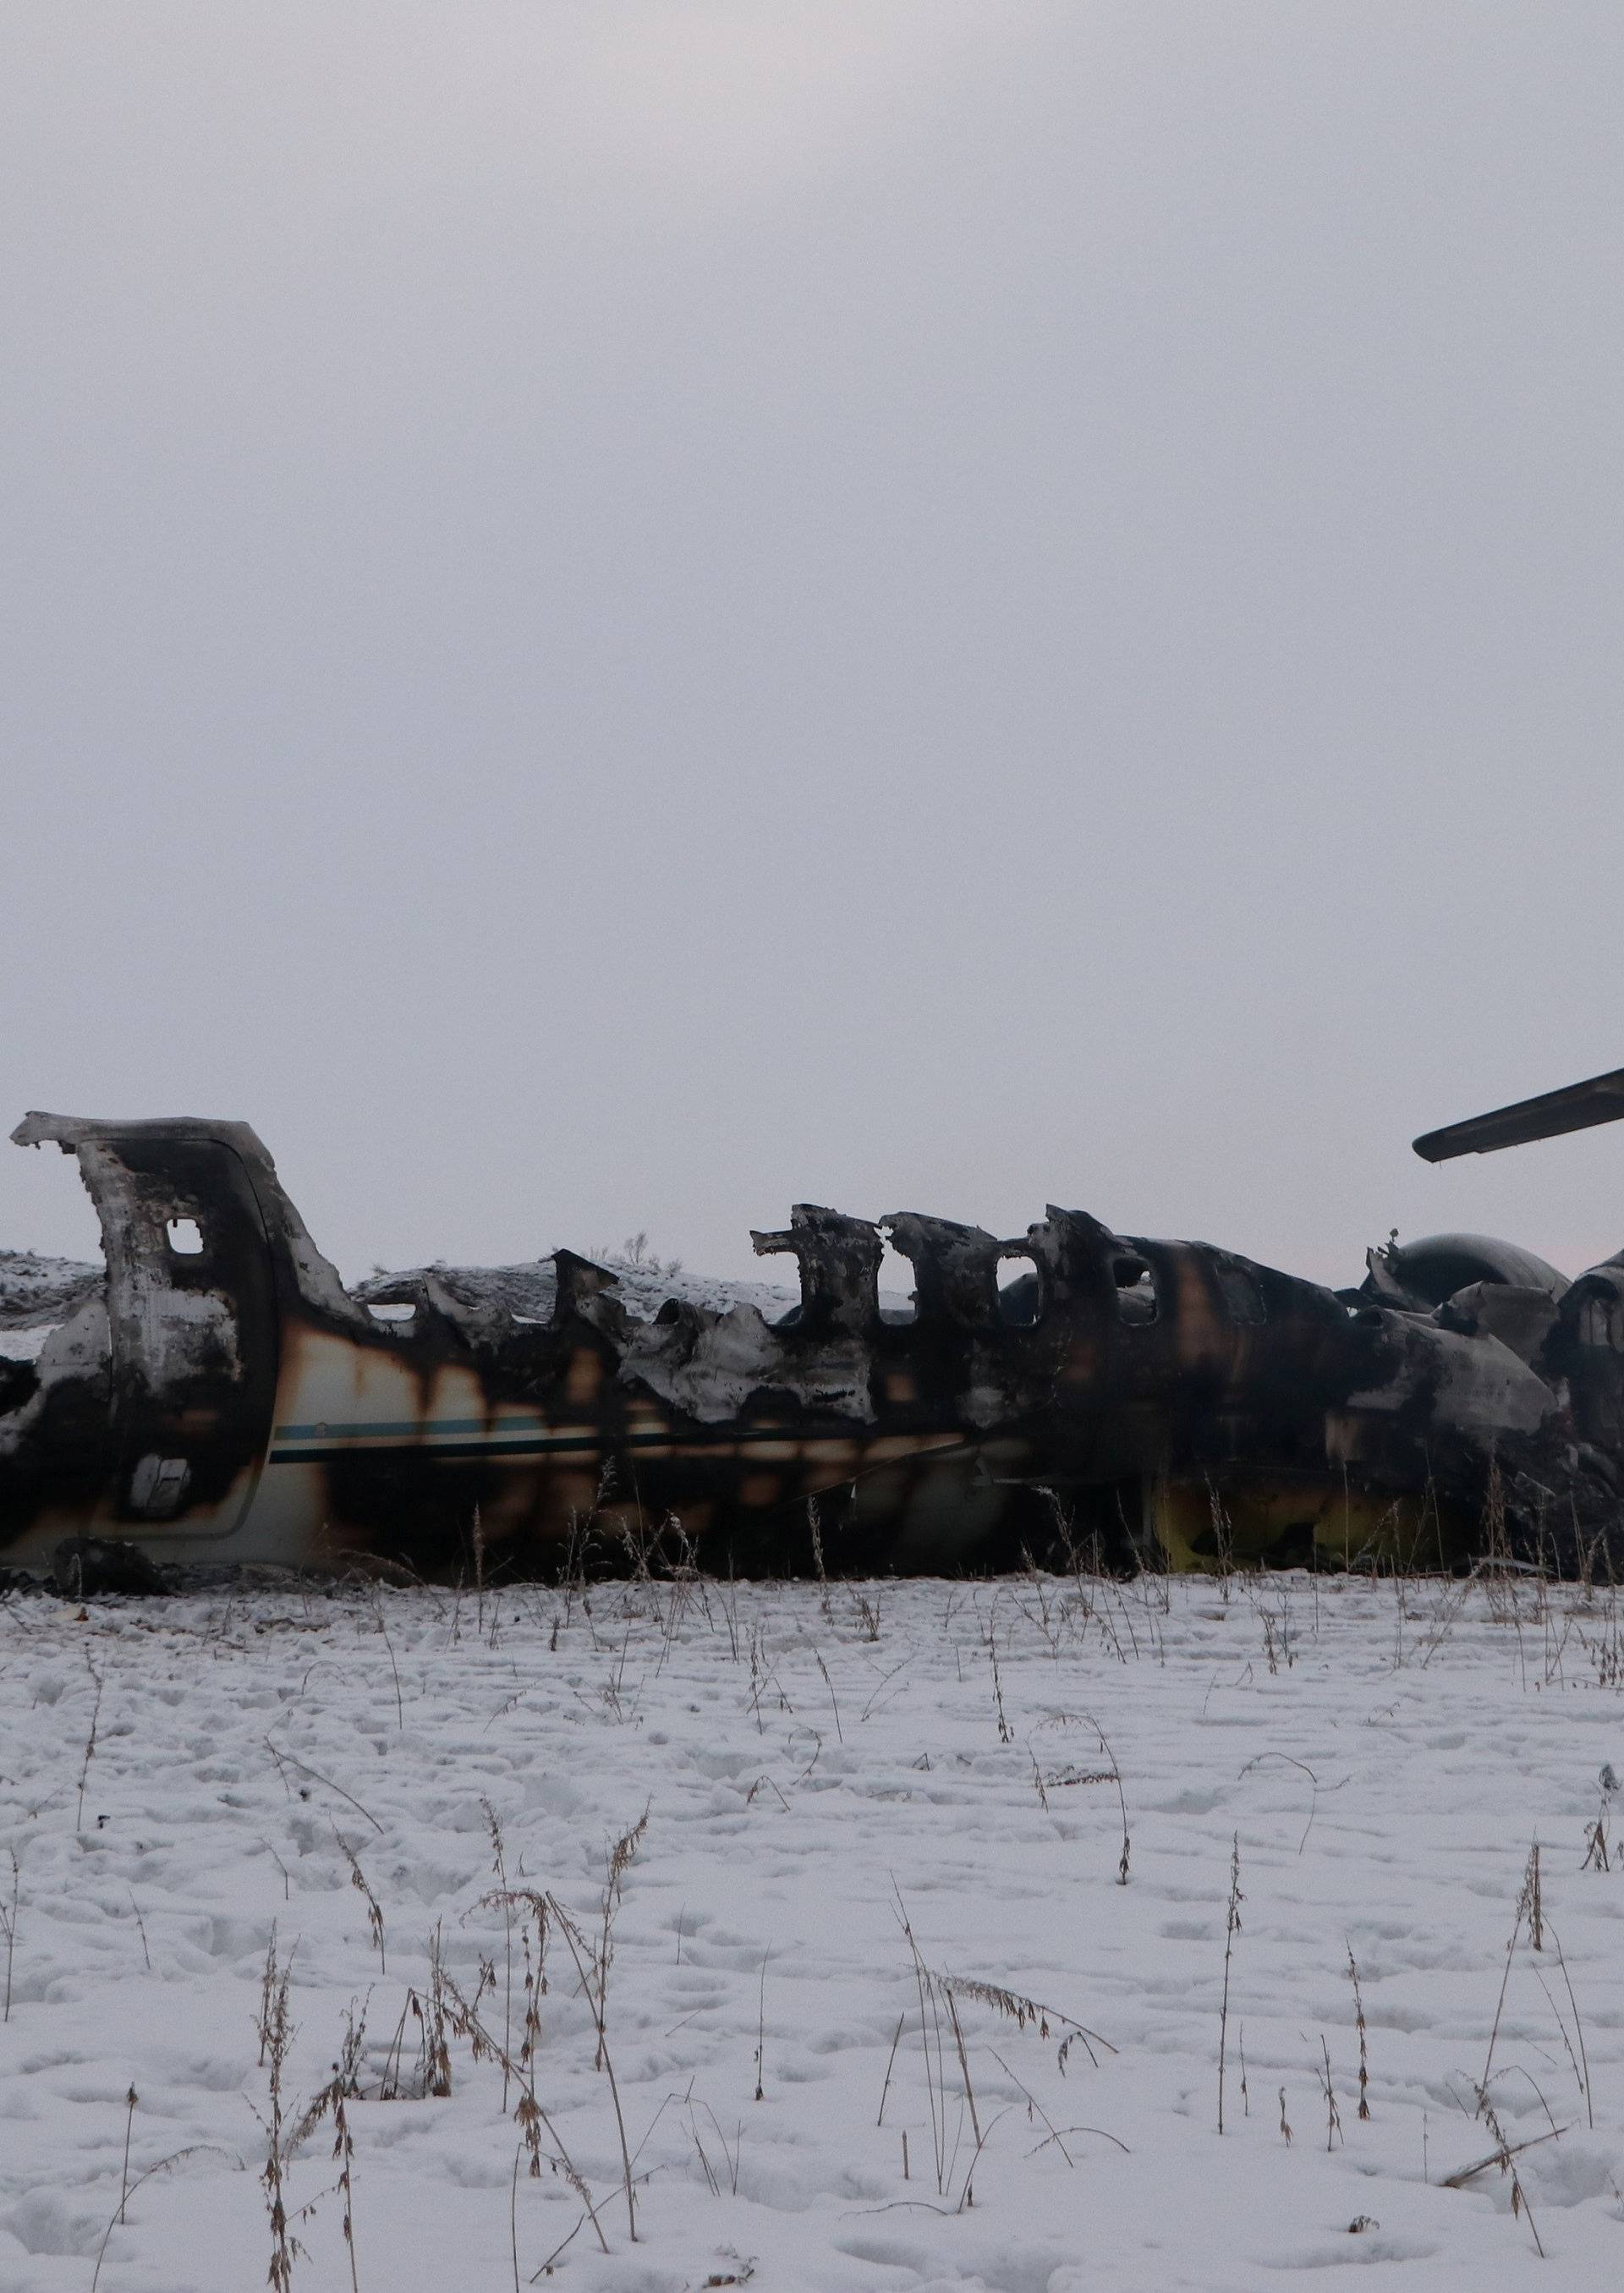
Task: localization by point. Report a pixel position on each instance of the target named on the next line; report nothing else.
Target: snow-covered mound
(37, 1296)
(529, 1290)
(37, 1292)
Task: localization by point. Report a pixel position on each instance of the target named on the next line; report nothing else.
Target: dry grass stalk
(1231, 1929)
(1035, 2109)
(1359, 2024)
(1504, 2156)
(1313, 1783)
(275, 2038)
(889, 2063)
(1121, 1802)
(400, 1708)
(287, 1760)
(730, 2157)
(868, 1614)
(580, 1951)
(620, 1862)
(375, 1915)
(1582, 2062)
(462, 2016)
(433, 2075)
(513, 2212)
(970, 2091)
(164, 2165)
(1021, 2011)
(967, 2194)
(437, 2047)
(333, 2101)
(625, 1848)
(1270, 1653)
(1530, 1906)
(1500, 2156)
(499, 1864)
(1035, 1609)
(563, 2245)
(833, 1704)
(141, 1926)
(8, 1929)
(528, 1899)
(930, 2027)
(1006, 1734)
(389, 2083)
(937, 1991)
(1332, 2116)
(535, 1984)
(90, 1741)
(816, 1528)
(1516, 1929)
(130, 2101)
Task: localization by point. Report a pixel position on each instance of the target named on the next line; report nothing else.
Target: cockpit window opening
(1136, 1293)
(1020, 1290)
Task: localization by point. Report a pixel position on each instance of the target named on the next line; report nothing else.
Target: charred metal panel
(955, 1268)
(189, 1318)
(839, 1267)
(1419, 1275)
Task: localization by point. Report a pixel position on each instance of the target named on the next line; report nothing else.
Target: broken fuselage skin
(222, 1398)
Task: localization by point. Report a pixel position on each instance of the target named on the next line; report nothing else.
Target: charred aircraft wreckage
(213, 1395)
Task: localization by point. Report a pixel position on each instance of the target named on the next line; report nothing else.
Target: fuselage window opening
(393, 1312)
(1135, 1280)
(185, 1237)
(897, 1302)
(1021, 1291)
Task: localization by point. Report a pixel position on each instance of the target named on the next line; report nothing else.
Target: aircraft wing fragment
(1577, 1108)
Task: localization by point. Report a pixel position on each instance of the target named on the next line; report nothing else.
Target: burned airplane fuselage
(220, 1396)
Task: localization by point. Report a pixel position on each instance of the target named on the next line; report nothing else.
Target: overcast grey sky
(616, 615)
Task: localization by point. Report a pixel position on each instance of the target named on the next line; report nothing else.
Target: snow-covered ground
(812, 1767)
